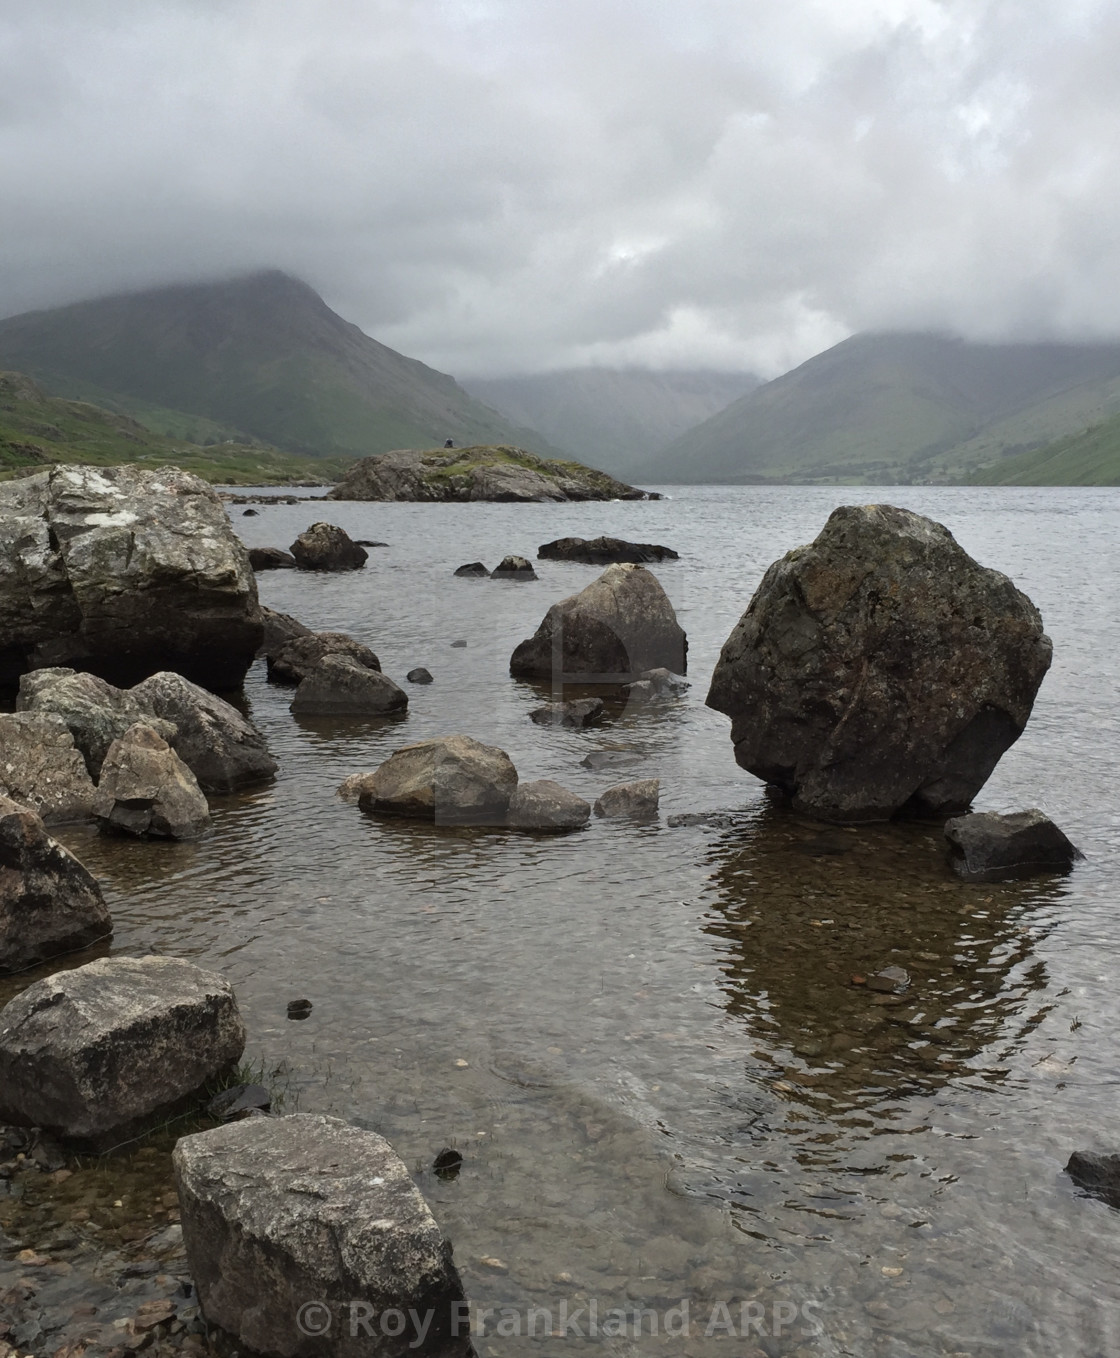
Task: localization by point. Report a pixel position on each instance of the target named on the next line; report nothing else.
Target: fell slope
(1091, 458)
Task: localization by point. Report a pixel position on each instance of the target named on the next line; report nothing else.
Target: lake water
(644, 1040)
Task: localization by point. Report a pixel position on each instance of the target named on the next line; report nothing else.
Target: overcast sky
(498, 186)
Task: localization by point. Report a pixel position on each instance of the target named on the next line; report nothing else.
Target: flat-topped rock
(989, 846)
(603, 551)
(449, 780)
(546, 806)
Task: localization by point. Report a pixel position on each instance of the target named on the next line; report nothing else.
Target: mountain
(258, 357)
(612, 417)
(899, 407)
(37, 430)
(1090, 458)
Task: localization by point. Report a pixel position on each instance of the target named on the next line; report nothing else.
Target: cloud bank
(500, 186)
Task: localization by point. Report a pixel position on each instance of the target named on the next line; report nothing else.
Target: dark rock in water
(513, 568)
(718, 820)
(1098, 1175)
(419, 676)
(124, 572)
(448, 1163)
(277, 1211)
(637, 800)
(603, 551)
(238, 1100)
(619, 626)
(89, 1053)
(42, 769)
(326, 547)
(298, 657)
(988, 847)
(880, 669)
(299, 1009)
(49, 903)
(545, 805)
(458, 645)
(472, 568)
(579, 712)
(339, 686)
(249, 513)
(279, 629)
(611, 759)
(889, 981)
(271, 559)
(452, 780)
(368, 542)
(146, 790)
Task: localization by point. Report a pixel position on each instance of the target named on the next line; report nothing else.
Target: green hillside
(38, 430)
(258, 358)
(899, 408)
(1091, 458)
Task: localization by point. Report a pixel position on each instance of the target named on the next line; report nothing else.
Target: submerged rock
(297, 657)
(147, 790)
(271, 558)
(326, 547)
(123, 572)
(545, 805)
(989, 847)
(41, 767)
(49, 903)
(880, 669)
(450, 780)
(90, 1053)
(513, 568)
(259, 1200)
(619, 626)
(603, 551)
(472, 568)
(340, 686)
(638, 799)
(1097, 1174)
(576, 713)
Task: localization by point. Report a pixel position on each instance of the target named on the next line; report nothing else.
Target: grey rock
(90, 1053)
(41, 768)
(302, 654)
(513, 568)
(472, 568)
(249, 513)
(271, 558)
(638, 800)
(238, 1100)
(545, 805)
(279, 629)
(578, 712)
(889, 981)
(458, 645)
(990, 847)
(603, 551)
(339, 686)
(49, 903)
(1097, 1174)
(419, 676)
(147, 790)
(280, 1211)
(880, 669)
(641, 691)
(123, 572)
(450, 780)
(326, 547)
(718, 820)
(619, 626)
(611, 759)
(95, 711)
(665, 683)
(351, 788)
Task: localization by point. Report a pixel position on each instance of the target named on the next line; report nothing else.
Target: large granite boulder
(991, 847)
(548, 806)
(603, 551)
(41, 768)
(123, 572)
(340, 686)
(91, 1053)
(326, 547)
(147, 790)
(620, 625)
(49, 903)
(452, 780)
(95, 711)
(299, 655)
(880, 669)
(303, 1225)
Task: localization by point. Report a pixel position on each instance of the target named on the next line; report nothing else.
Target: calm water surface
(645, 1040)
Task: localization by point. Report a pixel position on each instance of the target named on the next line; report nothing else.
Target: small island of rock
(479, 473)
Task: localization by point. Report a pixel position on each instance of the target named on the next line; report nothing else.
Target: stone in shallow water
(638, 799)
(451, 780)
(419, 676)
(1098, 1175)
(326, 547)
(271, 559)
(514, 568)
(298, 655)
(472, 568)
(147, 790)
(579, 712)
(339, 686)
(603, 551)
(988, 846)
(280, 1212)
(546, 805)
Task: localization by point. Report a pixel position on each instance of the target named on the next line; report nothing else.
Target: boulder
(249, 513)
(123, 572)
(665, 683)
(513, 568)
(350, 789)
(147, 790)
(577, 713)
(451, 780)
(619, 626)
(41, 768)
(880, 669)
(90, 1054)
(49, 903)
(638, 799)
(472, 568)
(989, 847)
(270, 558)
(221, 748)
(545, 805)
(419, 676)
(339, 686)
(603, 551)
(285, 1211)
(326, 547)
(298, 657)
(279, 629)
(1098, 1175)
